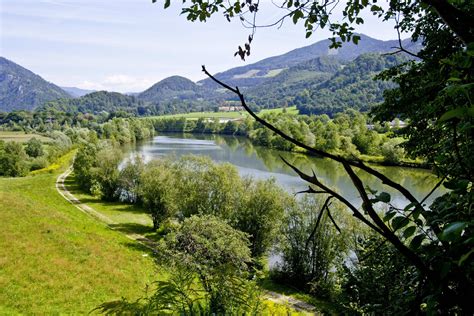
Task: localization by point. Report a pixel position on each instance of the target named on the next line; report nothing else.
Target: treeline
(218, 229)
(18, 159)
(348, 134)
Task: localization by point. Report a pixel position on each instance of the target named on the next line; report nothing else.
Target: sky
(128, 45)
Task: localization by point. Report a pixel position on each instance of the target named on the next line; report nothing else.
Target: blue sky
(127, 45)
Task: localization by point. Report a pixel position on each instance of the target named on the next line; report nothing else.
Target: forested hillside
(177, 94)
(351, 87)
(21, 89)
(96, 102)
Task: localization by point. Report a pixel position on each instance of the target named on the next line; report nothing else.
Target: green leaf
(383, 197)
(409, 231)
(399, 222)
(388, 216)
(452, 231)
(459, 113)
(167, 3)
(297, 15)
(464, 257)
(416, 241)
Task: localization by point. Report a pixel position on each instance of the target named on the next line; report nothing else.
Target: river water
(262, 163)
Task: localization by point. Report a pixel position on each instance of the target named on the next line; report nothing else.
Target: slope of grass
(56, 259)
(197, 115)
(290, 110)
(224, 115)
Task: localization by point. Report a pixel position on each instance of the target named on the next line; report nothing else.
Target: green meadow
(226, 115)
(21, 137)
(57, 259)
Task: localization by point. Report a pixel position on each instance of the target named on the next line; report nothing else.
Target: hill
(177, 94)
(266, 69)
(96, 102)
(21, 89)
(175, 87)
(284, 87)
(353, 86)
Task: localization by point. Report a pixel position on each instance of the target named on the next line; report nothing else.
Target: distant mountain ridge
(77, 92)
(21, 89)
(309, 77)
(265, 69)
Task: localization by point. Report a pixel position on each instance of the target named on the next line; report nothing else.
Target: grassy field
(225, 115)
(56, 259)
(21, 137)
(197, 115)
(290, 110)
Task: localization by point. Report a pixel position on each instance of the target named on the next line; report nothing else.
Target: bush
(38, 163)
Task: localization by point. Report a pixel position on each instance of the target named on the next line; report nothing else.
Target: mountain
(179, 95)
(96, 102)
(264, 70)
(353, 86)
(21, 89)
(77, 92)
(174, 87)
(284, 87)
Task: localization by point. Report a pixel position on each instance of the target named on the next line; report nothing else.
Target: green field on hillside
(21, 137)
(290, 110)
(55, 259)
(224, 115)
(197, 115)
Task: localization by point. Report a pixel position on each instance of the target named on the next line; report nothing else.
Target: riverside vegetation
(180, 195)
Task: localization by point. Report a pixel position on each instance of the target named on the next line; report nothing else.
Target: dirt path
(61, 188)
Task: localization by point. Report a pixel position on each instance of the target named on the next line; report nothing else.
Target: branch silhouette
(375, 222)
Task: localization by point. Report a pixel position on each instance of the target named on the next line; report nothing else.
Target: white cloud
(118, 82)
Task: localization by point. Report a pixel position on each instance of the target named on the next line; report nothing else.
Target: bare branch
(333, 221)
(320, 215)
(314, 180)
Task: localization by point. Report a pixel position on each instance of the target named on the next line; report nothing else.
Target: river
(262, 163)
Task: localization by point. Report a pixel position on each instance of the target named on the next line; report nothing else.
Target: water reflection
(262, 163)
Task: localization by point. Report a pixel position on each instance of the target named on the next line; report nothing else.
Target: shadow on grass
(140, 247)
(73, 187)
(132, 228)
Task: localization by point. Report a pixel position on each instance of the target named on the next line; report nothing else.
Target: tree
(208, 265)
(34, 148)
(13, 160)
(312, 248)
(259, 213)
(214, 253)
(159, 191)
(438, 102)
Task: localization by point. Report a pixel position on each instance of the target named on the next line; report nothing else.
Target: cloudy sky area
(128, 45)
